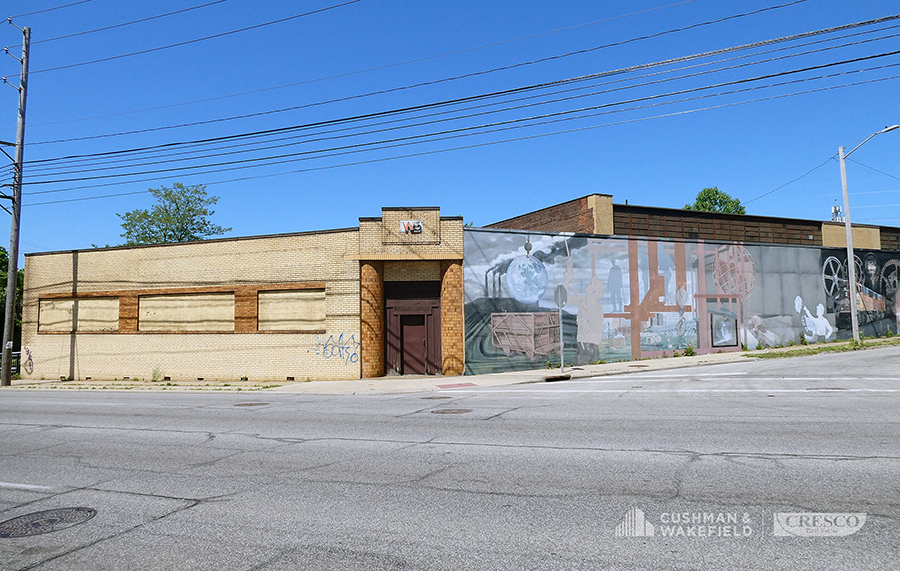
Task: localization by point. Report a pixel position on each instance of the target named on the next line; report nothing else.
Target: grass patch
(833, 347)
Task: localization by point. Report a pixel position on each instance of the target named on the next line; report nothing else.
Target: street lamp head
(886, 129)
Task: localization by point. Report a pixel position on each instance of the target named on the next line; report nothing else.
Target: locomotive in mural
(877, 284)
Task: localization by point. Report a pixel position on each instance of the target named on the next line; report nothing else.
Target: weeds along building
(413, 292)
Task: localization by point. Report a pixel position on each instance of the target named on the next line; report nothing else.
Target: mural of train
(876, 287)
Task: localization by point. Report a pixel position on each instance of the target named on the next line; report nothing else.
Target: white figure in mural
(814, 327)
(590, 312)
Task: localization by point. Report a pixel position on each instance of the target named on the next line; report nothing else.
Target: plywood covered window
(187, 312)
(291, 310)
(66, 315)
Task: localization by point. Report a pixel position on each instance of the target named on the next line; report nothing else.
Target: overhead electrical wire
(158, 158)
(155, 156)
(479, 129)
(497, 93)
(521, 64)
(351, 73)
(458, 148)
(194, 40)
(50, 9)
(157, 148)
(123, 24)
(454, 110)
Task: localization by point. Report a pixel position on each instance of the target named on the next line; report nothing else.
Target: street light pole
(851, 260)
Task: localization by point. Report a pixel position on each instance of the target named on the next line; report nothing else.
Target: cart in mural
(529, 333)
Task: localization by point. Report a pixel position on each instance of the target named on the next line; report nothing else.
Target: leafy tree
(714, 200)
(180, 215)
(20, 285)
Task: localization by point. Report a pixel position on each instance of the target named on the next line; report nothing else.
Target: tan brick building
(340, 304)
(388, 297)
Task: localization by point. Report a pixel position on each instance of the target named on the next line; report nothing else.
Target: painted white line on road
(661, 379)
(809, 391)
(71, 403)
(677, 375)
(26, 487)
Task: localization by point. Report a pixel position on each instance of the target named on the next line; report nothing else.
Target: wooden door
(412, 342)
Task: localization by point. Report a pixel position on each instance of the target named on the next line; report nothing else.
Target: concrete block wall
(244, 266)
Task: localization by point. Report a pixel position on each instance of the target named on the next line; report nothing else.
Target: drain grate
(45, 521)
(435, 398)
(251, 404)
(451, 411)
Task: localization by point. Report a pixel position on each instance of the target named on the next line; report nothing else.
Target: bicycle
(28, 364)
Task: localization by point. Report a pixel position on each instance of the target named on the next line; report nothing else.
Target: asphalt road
(567, 475)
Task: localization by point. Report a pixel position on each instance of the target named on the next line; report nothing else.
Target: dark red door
(413, 344)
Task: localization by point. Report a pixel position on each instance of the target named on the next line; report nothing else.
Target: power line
(139, 21)
(433, 137)
(358, 72)
(463, 147)
(874, 169)
(93, 165)
(245, 147)
(196, 40)
(50, 9)
(809, 172)
(670, 61)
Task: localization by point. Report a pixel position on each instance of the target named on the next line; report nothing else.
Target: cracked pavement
(535, 476)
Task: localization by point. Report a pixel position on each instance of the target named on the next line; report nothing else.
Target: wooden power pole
(12, 271)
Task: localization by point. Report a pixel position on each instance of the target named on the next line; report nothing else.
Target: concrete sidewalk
(409, 384)
(419, 383)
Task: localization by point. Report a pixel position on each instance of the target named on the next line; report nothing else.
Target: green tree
(714, 200)
(181, 214)
(20, 285)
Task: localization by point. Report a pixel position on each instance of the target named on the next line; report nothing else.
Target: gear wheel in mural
(833, 277)
(890, 277)
(734, 271)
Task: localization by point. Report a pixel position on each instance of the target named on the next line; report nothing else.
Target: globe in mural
(526, 279)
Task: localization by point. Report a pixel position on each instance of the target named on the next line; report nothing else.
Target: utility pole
(12, 271)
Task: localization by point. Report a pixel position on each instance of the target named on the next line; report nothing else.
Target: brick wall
(371, 290)
(691, 225)
(453, 335)
(572, 216)
(244, 266)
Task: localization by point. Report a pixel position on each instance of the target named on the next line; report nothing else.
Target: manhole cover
(435, 398)
(451, 411)
(45, 521)
(251, 404)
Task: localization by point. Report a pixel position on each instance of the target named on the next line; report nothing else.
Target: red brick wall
(572, 216)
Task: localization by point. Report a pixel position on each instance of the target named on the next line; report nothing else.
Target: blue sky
(650, 134)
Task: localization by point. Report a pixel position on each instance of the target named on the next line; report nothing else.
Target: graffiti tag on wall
(341, 348)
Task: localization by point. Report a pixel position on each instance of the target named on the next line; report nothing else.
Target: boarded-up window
(196, 312)
(295, 310)
(96, 314)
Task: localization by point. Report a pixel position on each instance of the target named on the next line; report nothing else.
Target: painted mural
(531, 296)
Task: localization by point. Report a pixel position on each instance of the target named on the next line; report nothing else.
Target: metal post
(12, 270)
(851, 260)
